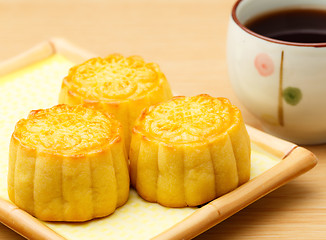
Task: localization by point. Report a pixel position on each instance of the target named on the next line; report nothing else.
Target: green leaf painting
(292, 95)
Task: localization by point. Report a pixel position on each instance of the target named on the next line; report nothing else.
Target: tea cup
(282, 83)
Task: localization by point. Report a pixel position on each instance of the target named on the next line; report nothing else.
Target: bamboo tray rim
(295, 160)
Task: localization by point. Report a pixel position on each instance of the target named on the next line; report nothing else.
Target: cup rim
(236, 20)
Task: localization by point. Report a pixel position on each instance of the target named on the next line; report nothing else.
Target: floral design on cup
(264, 64)
(280, 111)
(292, 95)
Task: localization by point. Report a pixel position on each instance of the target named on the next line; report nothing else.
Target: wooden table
(187, 38)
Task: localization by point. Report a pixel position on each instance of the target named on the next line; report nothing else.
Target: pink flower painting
(264, 64)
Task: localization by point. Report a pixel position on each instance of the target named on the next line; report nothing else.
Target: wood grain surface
(187, 38)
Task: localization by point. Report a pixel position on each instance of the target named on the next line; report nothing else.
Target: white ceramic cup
(281, 83)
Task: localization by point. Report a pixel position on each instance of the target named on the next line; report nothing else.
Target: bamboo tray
(32, 80)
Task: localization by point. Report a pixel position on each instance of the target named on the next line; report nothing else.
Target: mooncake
(119, 85)
(189, 150)
(68, 163)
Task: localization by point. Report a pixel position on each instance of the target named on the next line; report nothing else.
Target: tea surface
(291, 25)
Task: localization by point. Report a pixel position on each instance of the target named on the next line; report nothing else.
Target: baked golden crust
(114, 78)
(118, 85)
(67, 130)
(68, 163)
(189, 120)
(189, 150)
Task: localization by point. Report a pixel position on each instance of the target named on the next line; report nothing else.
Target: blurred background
(185, 37)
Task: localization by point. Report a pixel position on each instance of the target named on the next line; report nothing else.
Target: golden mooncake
(188, 151)
(118, 85)
(68, 163)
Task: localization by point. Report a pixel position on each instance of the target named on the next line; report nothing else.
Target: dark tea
(291, 25)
